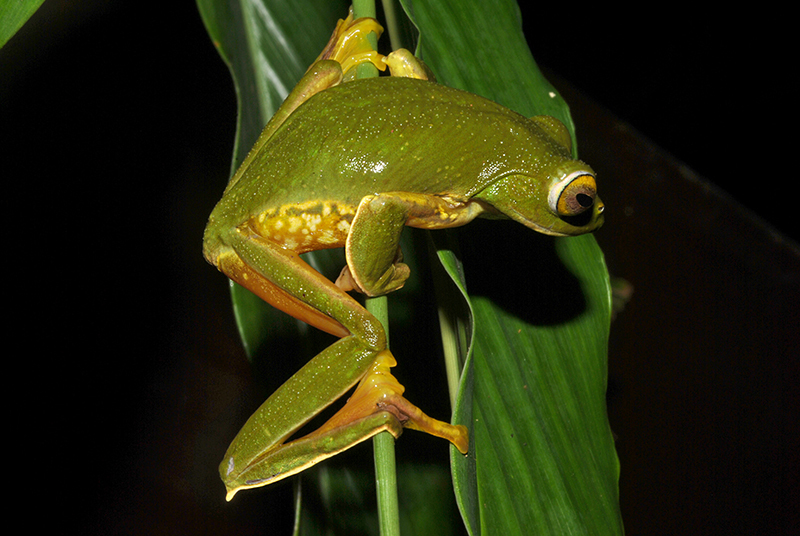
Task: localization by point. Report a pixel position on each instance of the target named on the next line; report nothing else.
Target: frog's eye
(573, 194)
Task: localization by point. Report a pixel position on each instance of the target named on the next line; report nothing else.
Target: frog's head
(560, 201)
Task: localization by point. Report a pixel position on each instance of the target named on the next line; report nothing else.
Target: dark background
(116, 128)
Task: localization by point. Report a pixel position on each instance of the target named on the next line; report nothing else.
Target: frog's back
(383, 135)
(391, 134)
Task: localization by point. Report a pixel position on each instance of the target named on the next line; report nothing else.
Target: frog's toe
(349, 45)
(403, 63)
(347, 282)
(393, 279)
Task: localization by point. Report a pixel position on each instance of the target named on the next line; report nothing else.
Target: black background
(117, 125)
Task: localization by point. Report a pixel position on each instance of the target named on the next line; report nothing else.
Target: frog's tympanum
(348, 163)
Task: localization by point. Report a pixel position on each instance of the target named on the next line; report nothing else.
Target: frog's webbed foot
(403, 63)
(376, 405)
(349, 47)
(391, 279)
(379, 391)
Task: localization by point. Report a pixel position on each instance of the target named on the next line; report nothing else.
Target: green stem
(383, 449)
(392, 23)
(386, 484)
(383, 443)
(366, 8)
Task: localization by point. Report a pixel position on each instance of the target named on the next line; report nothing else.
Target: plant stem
(363, 8)
(366, 8)
(392, 27)
(383, 449)
(383, 443)
(386, 484)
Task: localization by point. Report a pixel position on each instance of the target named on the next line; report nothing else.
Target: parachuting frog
(350, 163)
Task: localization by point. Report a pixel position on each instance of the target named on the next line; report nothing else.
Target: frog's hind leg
(279, 264)
(349, 45)
(283, 279)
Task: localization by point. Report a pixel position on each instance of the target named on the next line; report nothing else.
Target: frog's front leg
(372, 248)
(258, 455)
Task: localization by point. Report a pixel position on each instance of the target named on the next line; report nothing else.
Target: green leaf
(542, 458)
(479, 47)
(539, 411)
(13, 14)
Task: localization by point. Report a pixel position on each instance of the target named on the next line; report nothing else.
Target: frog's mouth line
(582, 222)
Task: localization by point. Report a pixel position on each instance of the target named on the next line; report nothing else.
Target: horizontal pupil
(584, 200)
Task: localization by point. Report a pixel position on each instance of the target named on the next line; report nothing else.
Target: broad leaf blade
(479, 47)
(539, 412)
(542, 458)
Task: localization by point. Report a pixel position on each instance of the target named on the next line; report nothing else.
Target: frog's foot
(392, 279)
(378, 392)
(349, 47)
(348, 44)
(403, 63)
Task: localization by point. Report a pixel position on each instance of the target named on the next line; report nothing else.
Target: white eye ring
(558, 189)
